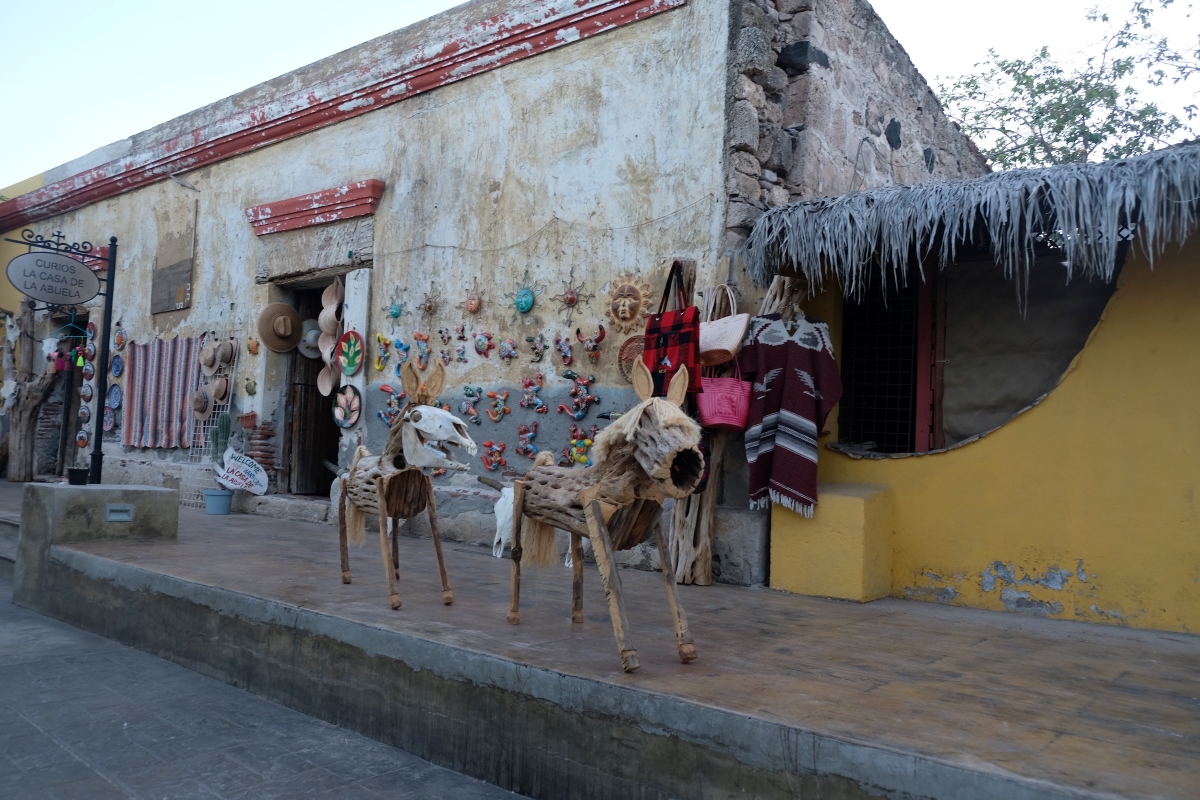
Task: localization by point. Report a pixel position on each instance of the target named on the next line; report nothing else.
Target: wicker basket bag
(725, 402)
(721, 339)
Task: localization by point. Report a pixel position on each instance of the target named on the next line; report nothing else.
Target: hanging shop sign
(53, 278)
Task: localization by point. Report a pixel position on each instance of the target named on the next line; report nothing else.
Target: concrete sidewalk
(84, 717)
(910, 698)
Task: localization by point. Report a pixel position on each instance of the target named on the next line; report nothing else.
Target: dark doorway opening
(312, 434)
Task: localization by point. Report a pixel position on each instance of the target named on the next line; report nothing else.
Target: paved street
(84, 717)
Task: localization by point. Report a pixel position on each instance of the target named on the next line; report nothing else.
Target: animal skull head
(428, 431)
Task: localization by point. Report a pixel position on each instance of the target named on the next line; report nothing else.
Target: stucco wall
(1082, 507)
(604, 156)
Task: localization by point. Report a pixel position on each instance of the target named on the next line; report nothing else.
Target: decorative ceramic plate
(89, 352)
(120, 338)
(82, 438)
(350, 352)
(85, 414)
(91, 331)
(118, 365)
(110, 418)
(115, 396)
(85, 392)
(347, 406)
(89, 371)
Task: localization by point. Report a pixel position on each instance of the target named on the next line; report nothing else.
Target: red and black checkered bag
(673, 338)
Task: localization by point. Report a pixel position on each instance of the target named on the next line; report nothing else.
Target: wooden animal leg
(342, 532)
(683, 637)
(576, 578)
(514, 588)
(393, 592)
(611, 581)
(447, 593)
(396, 546)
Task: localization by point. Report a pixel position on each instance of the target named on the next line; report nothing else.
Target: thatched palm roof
(1082, 211)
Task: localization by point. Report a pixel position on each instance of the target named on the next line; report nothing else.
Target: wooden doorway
(312, 434)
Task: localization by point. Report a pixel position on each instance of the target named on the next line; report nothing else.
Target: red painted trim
(923, 415)
(520, 33)
(356, 199)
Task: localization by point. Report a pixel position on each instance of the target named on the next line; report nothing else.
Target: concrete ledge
(532, 730)
(52, 513)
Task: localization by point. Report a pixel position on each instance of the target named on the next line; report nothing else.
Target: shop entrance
(312, 434)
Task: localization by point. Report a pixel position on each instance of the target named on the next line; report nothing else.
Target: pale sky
(78, 74)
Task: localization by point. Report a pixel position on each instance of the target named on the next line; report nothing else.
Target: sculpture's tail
(356, 525)
(356, 518)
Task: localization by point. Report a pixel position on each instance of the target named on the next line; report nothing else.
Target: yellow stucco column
(844, 551)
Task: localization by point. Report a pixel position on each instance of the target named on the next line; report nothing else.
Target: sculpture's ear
(643, 384)
(677, 391)
(410, 380)
(436, 381)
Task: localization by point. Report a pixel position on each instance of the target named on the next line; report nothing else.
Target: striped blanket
(160, 378)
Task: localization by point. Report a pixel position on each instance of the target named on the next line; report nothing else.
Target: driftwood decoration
(393, 486)
(32, 391)
(647, 455)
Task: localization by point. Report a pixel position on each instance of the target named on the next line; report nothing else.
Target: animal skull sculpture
(427, 429)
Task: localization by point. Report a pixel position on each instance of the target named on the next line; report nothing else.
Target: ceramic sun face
(524, 296)
(628, 303)
(430, 303)
(473, 301)
(395, 310)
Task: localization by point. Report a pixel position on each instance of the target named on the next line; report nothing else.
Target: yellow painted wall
(9, 296)
(1083, 507)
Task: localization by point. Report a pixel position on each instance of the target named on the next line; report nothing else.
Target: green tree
(1038, 111)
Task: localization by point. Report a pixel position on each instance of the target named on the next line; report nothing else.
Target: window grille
(879, 337)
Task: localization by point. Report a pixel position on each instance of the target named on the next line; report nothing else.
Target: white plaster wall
(541, 165)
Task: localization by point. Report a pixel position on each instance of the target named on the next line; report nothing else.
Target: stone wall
(823, 100)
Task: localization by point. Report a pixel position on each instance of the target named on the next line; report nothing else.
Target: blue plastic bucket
(217, 501)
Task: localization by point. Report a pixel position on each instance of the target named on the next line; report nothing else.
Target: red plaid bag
(673, 338)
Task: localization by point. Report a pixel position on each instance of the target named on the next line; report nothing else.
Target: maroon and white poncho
(796, 383)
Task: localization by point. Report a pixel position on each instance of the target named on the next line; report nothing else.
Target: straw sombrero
(309, 346)
(202, 403)
(334, 294)
(220, 390)
(329, 320)
(325, 346)
(326, 380)
(225, 351)
(208, 359)
(279, 327)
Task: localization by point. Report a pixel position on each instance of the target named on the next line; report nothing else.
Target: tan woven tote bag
(721, 339)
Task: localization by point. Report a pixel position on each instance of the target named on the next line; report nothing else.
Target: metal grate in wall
(879, 337)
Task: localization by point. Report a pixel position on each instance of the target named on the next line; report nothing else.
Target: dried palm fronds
(1083, 211)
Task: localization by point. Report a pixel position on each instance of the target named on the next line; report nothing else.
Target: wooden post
(342, 531)
(393, 593)
(514, 589)
(611, 581)
(576, 578)
(447, 593)
(683, 637)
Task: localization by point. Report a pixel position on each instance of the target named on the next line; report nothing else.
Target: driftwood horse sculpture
(393, 484)
(649, 454)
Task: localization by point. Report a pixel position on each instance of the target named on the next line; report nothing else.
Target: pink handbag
(725, 402)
